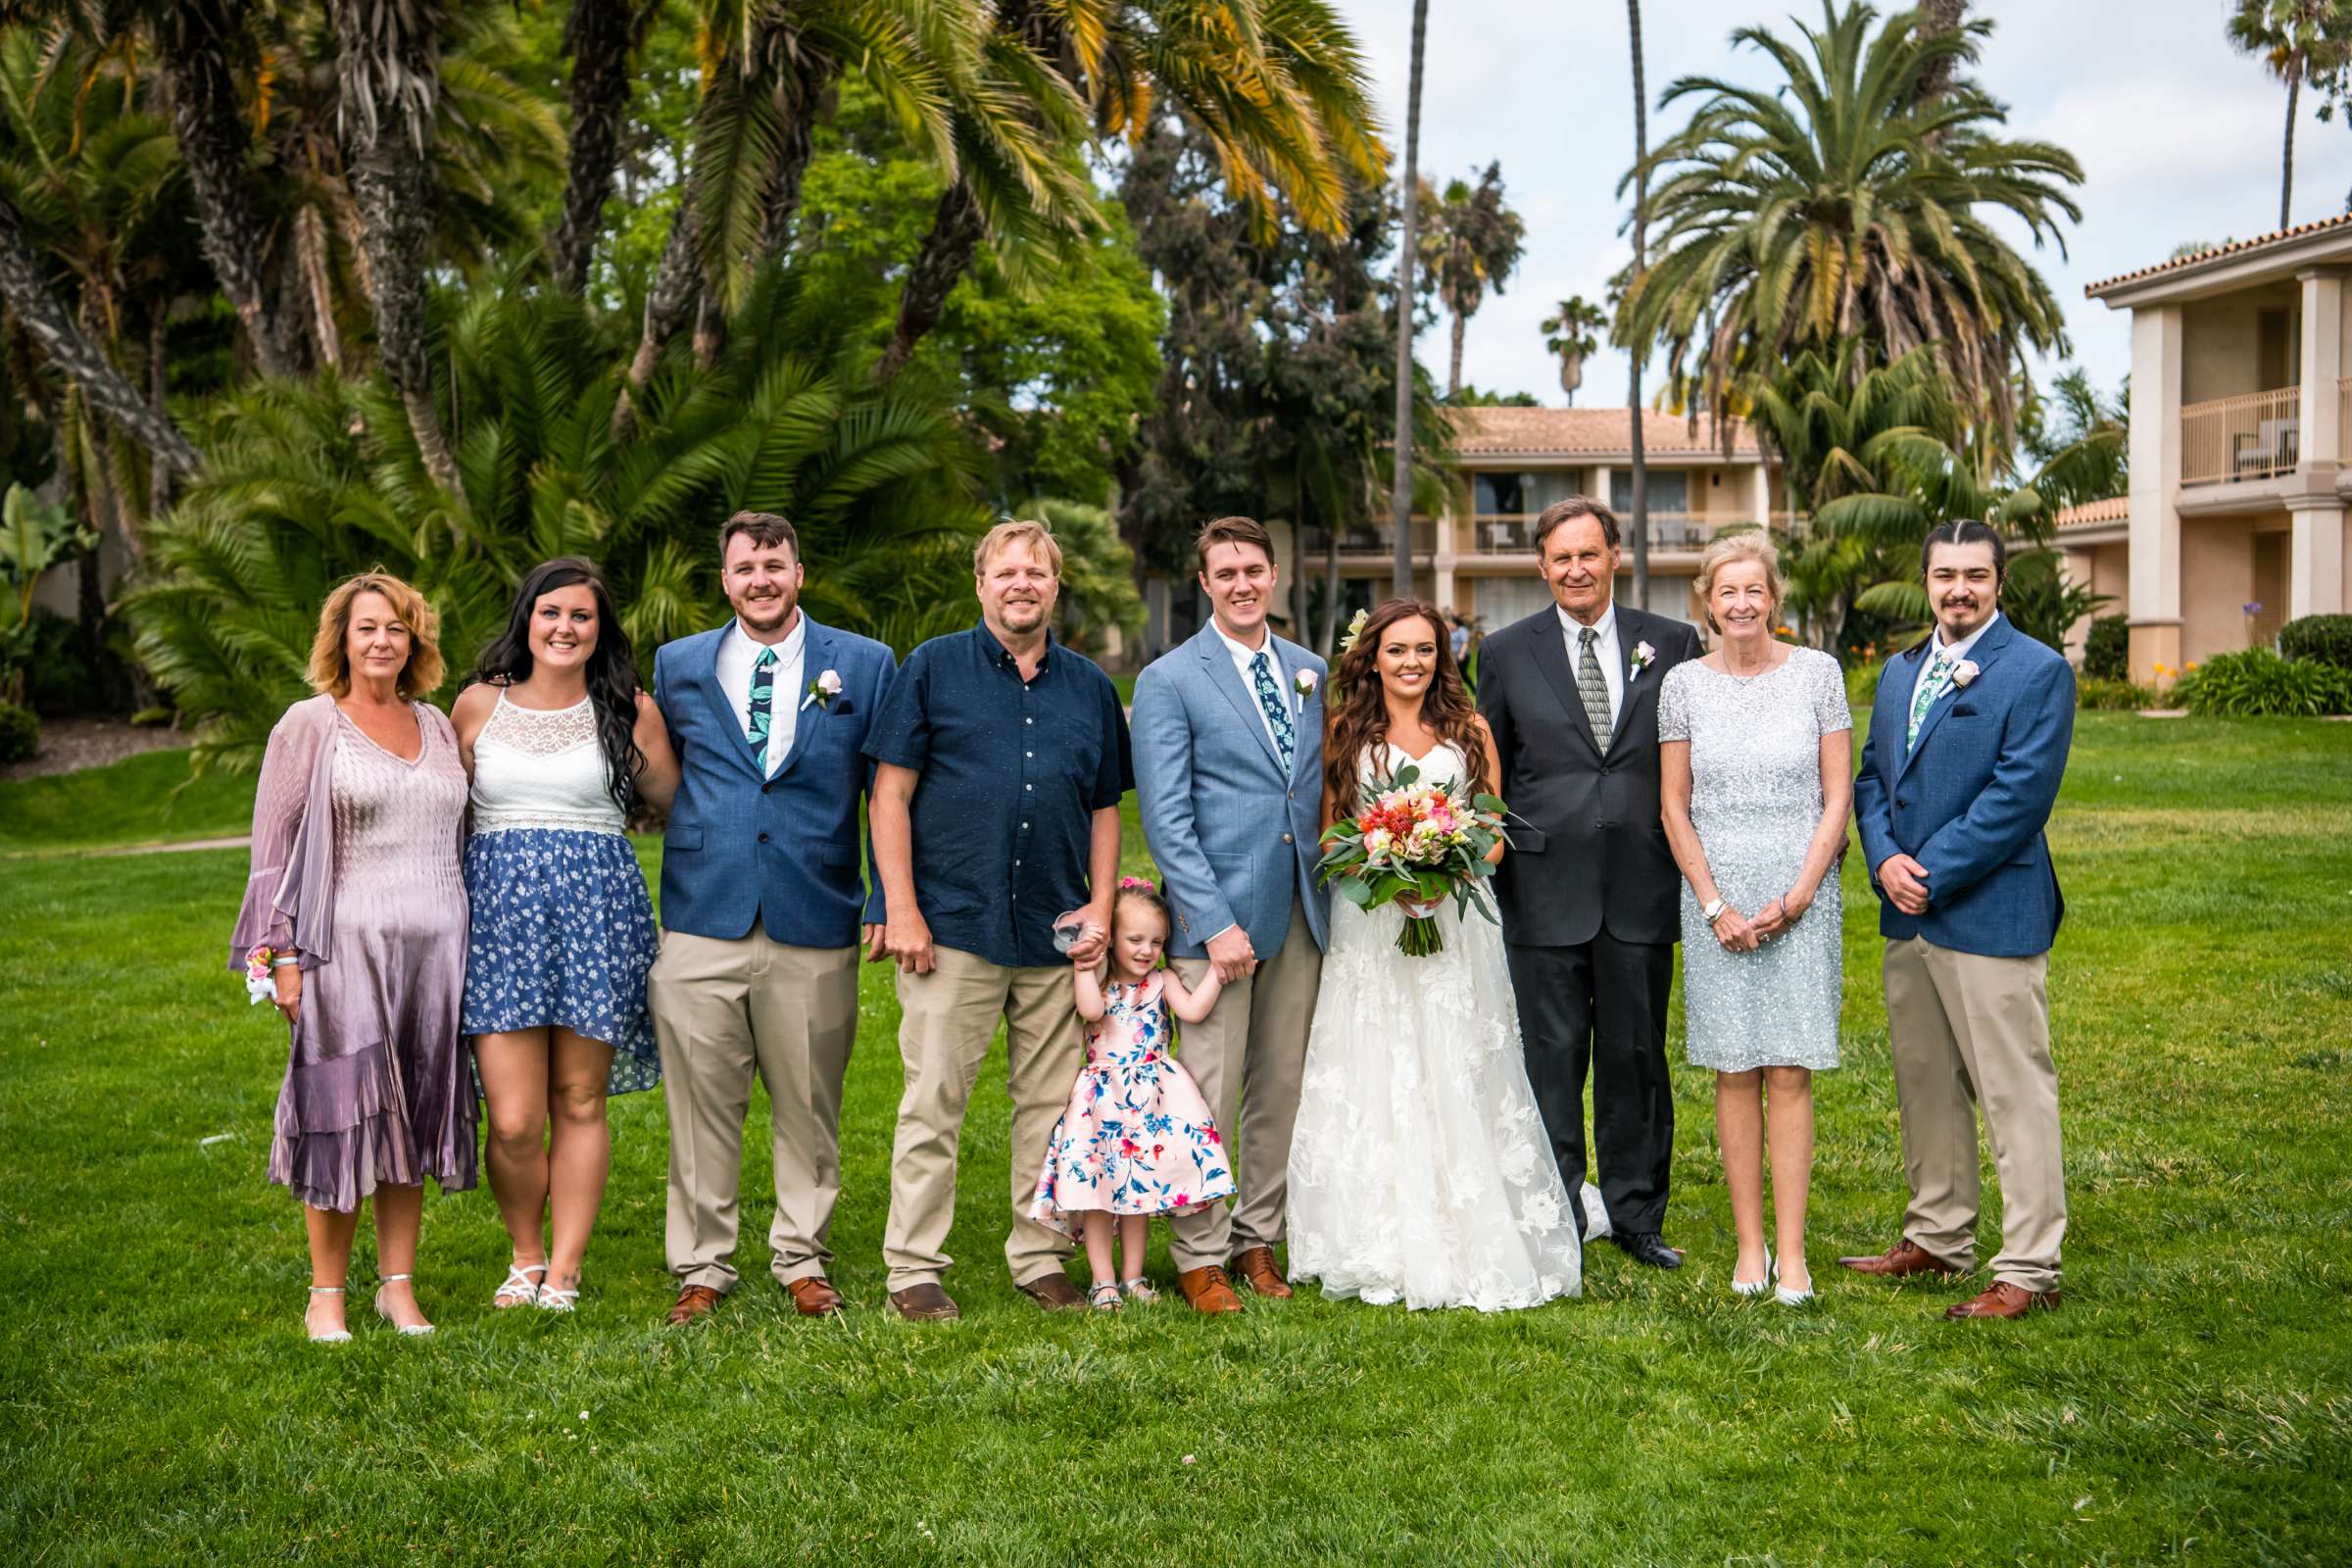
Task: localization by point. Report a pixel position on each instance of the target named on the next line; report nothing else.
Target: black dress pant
(1601, 1004)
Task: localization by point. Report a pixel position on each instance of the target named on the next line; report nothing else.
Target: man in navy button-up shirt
(1000, 759)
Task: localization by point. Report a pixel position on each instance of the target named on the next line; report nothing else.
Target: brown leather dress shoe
(1254, 1266)
(924, 1304)
(2005, 1299)
(1054, 1293)
(1902, 1259)
(694, 1301)
(1207, 1290)
(814, 1296)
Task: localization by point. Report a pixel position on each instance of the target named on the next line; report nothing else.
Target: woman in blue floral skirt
(560, 742)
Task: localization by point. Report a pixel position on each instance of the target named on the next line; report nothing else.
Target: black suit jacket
(1588, 845)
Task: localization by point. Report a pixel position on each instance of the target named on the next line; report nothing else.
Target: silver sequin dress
(1755, 799)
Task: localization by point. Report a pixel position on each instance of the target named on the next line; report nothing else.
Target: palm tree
(1572, 332)
(1279, 86)
(2301, 41)
(601, 37)
(1401, 484)
(1639, 347)
(1472, 243)
(1839, 205)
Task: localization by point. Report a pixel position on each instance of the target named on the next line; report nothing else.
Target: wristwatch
(1713, 911)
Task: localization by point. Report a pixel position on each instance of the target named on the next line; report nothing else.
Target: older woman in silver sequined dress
(357, 892)
(1755, 751)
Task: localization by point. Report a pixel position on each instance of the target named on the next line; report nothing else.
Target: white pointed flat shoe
(1753, 1288)
(411, 1330)
(1787, 1297)
(339, 1336)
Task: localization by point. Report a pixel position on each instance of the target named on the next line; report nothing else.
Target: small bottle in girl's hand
(1137, 1138)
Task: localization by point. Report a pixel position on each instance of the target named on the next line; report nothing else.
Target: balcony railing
(1504, 533)
(2257, 435)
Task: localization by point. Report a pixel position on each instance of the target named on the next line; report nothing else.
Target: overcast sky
(2177, 136)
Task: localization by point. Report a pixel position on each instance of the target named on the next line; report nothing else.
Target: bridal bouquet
(1419, 840)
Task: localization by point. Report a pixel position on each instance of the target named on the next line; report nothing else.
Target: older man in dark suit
(1589, 892)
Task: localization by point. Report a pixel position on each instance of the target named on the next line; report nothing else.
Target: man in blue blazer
(1968, 742)
(762, 908)
(1228, 775)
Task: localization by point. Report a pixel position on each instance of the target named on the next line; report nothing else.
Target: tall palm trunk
(2286, 153)
(669, 299)
(24, 290)
(602, 38)
(1640, 465)
(1401, 479)
(195, 39)
(1453, 370)
(947, 252)
(389, 60)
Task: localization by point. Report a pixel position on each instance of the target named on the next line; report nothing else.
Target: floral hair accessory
(1355, 629)
(1963, 673)
(1138, 884)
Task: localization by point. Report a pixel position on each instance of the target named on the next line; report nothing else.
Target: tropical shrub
(1099, 597)
(2323, 639)
(20, 732)
(2041, 601)
(2107, 651)
(306, 484)
(2256, 683)
(2105, 690)
(1862, 685)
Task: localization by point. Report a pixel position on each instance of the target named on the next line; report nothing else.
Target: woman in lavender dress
(1755, 763)
(357, 895)
(559, 742)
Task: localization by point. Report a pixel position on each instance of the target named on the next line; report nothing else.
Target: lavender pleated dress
(356, 863)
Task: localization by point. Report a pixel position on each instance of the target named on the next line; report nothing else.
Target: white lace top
(542, 768)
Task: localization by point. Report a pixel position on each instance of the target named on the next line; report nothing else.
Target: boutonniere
(1305, 682)
(1644, 656)
(823, 688)
(1964, 671)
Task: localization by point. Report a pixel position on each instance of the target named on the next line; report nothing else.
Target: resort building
(1478, 557)
(2241, 399)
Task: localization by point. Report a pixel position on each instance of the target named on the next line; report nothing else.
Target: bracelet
(283, 960)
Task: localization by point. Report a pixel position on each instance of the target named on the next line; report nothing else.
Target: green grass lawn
(151, 798)
(2192, 1402)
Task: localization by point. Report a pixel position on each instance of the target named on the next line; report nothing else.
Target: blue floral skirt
(562, 936)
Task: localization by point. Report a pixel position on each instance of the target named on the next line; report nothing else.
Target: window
(1669, 490)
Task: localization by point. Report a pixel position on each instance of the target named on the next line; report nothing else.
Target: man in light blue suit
(1967, 744)
(1228, 735)
(763, 907)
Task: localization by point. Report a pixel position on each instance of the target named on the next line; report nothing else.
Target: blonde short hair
(1017, 532)
(330, 650)
(1748, 543)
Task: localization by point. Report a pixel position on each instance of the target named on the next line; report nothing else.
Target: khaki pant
(725, 1011)
(950, 1015)
(1248, 1056)
(1969, 1031)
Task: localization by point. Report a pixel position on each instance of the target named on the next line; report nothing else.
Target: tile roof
(2115, 508)
(1541, 432)
(2299, 231)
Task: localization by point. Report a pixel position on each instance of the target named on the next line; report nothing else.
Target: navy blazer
(783, 850)
(1971, 799)
(1233, 836)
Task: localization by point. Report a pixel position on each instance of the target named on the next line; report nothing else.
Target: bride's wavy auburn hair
(1361, 719)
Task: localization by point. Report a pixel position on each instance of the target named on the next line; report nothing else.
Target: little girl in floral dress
(1137, 1138)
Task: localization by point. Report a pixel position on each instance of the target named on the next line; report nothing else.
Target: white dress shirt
(1604, 649)
(1957, 652)
(1243, 659)
(736, 654)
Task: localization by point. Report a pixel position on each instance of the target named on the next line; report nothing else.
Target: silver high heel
(409, 1329)
(1787, 1297)
(1753, 1288)
(339, 1336)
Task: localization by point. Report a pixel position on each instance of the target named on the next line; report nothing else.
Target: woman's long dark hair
(1361, 718)
(612, 669)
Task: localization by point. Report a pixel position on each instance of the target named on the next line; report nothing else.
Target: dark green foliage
(2323, 639)
(19, 733)
(2107, 651)
(2256, 683)
(2110, 692)
(2041, 600)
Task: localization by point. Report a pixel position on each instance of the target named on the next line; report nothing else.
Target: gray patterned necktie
(1593, 687)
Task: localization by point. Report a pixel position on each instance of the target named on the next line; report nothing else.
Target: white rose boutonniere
(823, 688)
(1304, 683)
(1963, 673)
(1644, 656)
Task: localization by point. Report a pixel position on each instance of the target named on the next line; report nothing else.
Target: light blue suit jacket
(782, 849)
(1970, 800)
(1233, 835)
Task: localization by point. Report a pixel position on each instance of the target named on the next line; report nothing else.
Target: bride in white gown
(1419, 1168)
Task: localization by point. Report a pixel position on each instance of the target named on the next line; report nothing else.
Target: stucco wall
(2220, 351)
(2217, 579)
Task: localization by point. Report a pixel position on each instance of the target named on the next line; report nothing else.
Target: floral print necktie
(1278, 712)
(764, 702)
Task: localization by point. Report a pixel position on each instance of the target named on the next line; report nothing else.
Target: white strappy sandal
(408, 1328)
(339, 1336)
(519, 1291)
(554, 1298)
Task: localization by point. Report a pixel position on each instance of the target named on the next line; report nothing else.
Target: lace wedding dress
(1420, 1171)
